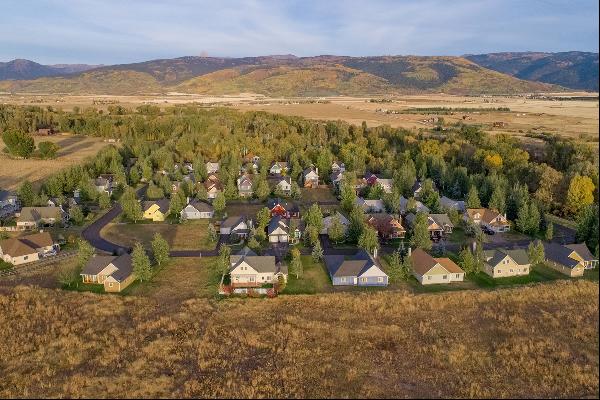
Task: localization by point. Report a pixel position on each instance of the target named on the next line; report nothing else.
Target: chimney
(187, 200)
(375, 252)
(474, 246)
(409, 251)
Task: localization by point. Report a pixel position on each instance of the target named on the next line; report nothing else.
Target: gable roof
(33, 214)
(201, 206)
(24, 245)
(277, 222)
(519, 256)
(441, 219)
(97, 263)
(487, 215)
(420, 206)
(232, 222)
(422, 262)
(259, 263)
(358, 264)
(559, 254)
(447, 202)
(288, 206)
(449, 265)
(385, 223)
(582, 250)
(246, 251)
(163, 205)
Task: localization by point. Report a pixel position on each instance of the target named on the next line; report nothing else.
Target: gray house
(244, 184)
(360, 269)
(197, 210)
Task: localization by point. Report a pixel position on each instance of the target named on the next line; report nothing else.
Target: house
(212, 167)
(213, 186)
(310, 177)
(278, 168)
(9, 203)
(283, 185)
(417, 189)
(114, 272)
(360, 269)
(239, 226)
(589, 260)
(328, 221)
(500, 263)
(255, 271)
(443, 221)
(436, 231)
(564, 259)
(448, 204)
(490, 219)
(26, 249)
(104, 183)
(244, 184)
(188, 167)
(420, 207)
(337, 167)
(155, 210)
(386, 184)
(429, 270)
(196, 209)
(296, 228)
(370, 179)
(278, 230)
(45, 131)
(336, 178)
(387, 226)
(34, 217)
(371, 206)
(283, 208)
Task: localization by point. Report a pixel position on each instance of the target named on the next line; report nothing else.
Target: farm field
(191, 235)
(73, 150)
(386, 344)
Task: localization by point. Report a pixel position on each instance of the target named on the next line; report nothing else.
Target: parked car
(487, 230)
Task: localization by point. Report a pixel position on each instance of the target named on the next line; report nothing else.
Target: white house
(255, 271)
(197, 210)
(371, 206)
(327, 222)
(278, 230)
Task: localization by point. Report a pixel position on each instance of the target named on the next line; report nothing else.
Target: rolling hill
(286, 76)
(574, 69)
(24, 69)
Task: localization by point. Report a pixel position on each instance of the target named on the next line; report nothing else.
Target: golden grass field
(534, 341)
(74, 149)
(191, 235)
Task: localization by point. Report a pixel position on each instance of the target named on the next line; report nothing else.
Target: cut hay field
(73, 150)
(534, 341)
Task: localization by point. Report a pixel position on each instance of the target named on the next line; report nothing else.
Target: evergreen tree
(336, 230)
(536, 253)
(85, 251)
(523, 218)
(160, 248)
(467, 261)
(223, 259)
(357, 223)
(498, 200)
(177, 204)
(142, 269)
(76, 215)
(472, 200)
(368, 240)
(317, 252)
(347, 197)
(296, 266)
(549, 233)
(420, 237)
(314, 217)
(104, 200)
(131, 206)
(395, 267)
(219, 203)
(26, 194)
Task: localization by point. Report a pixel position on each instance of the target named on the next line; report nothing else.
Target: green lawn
(314, 280)
(5, 265)
(457, 236)
(591, 274)
(539, 273)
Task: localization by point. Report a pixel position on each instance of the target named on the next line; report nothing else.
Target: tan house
(255, 271)
(501, 263)
(429, 270)
(213, 186)
(563, 259)
(490, 219)
(26, 249)
(34, 217)
(114, 272)
(589, 260)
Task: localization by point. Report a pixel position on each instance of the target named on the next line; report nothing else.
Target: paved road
(92, 232)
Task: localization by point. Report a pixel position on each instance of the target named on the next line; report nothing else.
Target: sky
(124, 31)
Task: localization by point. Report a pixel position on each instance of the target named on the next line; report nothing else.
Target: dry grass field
(191, 235)
(74, 149)
(535, 341)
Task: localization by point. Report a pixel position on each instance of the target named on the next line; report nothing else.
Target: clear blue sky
(110, 31)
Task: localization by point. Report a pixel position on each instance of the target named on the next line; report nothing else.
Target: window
(458, 276)
(429, 277)
(25, 258)
(511, 271)
(380, 279)
(445, 277)
(363, 279)
(499, 271)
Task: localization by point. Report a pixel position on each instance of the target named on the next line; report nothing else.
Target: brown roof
(33, 214)
(385, 223)
(449, 265)
(24, 245)
(487, 215)
(422, 262)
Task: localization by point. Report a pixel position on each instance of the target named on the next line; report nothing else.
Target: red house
(283, 209)
(371, 179)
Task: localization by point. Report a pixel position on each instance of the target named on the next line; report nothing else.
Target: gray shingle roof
(259, 263)
(520, 256)
(201, 206)
(582, 250)
(163, 205)
(337, 265)
(559, 254)
(97, 263)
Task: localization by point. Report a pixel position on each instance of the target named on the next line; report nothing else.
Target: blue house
(358, 270)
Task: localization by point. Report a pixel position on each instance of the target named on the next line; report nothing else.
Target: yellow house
(155, 210)
(429, 270)
(114, 272)
(564, 259)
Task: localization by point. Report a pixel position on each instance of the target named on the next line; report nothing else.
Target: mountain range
(288, 75)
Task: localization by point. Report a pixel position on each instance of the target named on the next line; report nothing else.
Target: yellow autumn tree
(493, 162)
(579, 195)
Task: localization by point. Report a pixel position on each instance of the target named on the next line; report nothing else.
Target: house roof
(277, 222)
(5, 195)
(559, 254)
(309, 170)
(449, 203)
(370, 203)
(385, 223)
(487, 215)
(259, 263)
(423, 263)
(32, 214)
(201, 206)
(281, 164)
(496, 255)
(441, 219)
(232, 222)
(420, 206)
(358, 264)
(336, 176)
(245, 179)
(97, 263)
(163, 205)
(582, 250)
(246, 251)
(24, 245)
(272, 203)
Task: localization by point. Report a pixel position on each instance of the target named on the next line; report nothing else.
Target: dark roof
(201, 206)
(289, 206)
(97, 263)
(559, 254)
(582, 250)
(259, 263)
(163, 205)
(520, 256)
(337, 265)
(232, 222)
(277, 222)
(125, 267)
(246, 251)
(24, 245)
